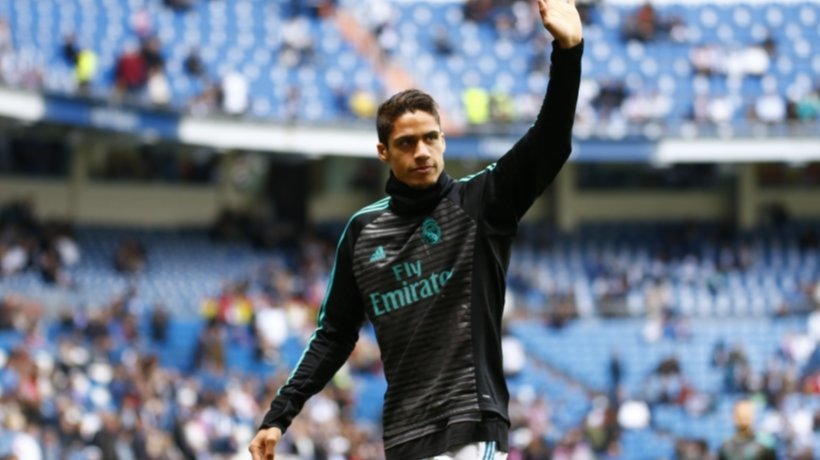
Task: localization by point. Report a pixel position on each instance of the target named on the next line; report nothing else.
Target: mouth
(423, 169)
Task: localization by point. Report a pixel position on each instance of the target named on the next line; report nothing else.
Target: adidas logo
(378, 254)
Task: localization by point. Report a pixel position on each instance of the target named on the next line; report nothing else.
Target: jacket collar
(406, 200)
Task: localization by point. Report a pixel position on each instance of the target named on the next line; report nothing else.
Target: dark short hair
(408, 100)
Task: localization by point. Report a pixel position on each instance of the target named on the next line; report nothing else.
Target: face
(415, 150)
(744, 414)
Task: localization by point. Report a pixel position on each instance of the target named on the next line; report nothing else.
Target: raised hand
(562, 20)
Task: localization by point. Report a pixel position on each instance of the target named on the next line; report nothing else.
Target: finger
(270, 448)
(256, 449)
(542, 7)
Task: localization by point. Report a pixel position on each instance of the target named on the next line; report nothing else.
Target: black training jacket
(427, 268)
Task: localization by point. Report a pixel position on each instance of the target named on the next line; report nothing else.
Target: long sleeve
(524, 172)
(340, 318)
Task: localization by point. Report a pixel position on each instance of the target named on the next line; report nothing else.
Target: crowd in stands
(731, 80)
(90, 384)
(653, 275)
(134, 378)
(26, 243)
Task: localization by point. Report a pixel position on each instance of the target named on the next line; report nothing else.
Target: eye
(403, 142)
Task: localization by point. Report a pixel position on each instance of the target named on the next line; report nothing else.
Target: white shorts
(474, 451)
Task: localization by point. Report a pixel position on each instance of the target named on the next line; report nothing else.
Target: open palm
(562, 20)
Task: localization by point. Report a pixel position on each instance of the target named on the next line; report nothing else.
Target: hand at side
(263, 446)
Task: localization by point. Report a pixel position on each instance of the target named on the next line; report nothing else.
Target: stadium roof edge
(360, 142)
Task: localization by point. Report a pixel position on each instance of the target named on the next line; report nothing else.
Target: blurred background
(174, 176)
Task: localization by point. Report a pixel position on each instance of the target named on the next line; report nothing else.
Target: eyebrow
(413, 137)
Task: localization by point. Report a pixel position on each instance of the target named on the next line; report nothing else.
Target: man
(427, 267)
(745, 445)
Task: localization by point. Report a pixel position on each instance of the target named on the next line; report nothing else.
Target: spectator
(379, 17)
(210, 348)
(209, 101)
(341, 101)
(745, 444)
(107, 439)
(573, 447)
(313, 9)
(85, 70)
(5, 36)
(130, 257)
(363, 104)
(769, 44)
(441, 42)
(158, 88)
(524, 23)
(13, 258)
(587, 8)
(720, 109)
(235, 94)
(515, 357)
(691, 449)
(141, 23)
(193, 64)
(271, 331)
(476, 102)
(753, 61)
(60, 235)
(293, 103)
(477, 10)
(297, 42)
(644, 107)
(50, 267)
(70, 51)
(151, 51)
(615, 369)
(601, 426)
(180, 5)
(737, 372)
(634, 415)
(502, 107)
(7, 55)
(770, 107)
(159, 324)
(807, 107)
(21, 444)
(642, 25)
(131, 71)
(708, 59)
(609, 98)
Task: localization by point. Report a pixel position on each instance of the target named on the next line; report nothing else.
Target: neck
(408, 200)
(745, 431)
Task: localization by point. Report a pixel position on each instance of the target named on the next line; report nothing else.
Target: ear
(383, 154)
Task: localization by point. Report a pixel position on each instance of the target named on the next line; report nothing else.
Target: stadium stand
(686, 367)
(711, 64)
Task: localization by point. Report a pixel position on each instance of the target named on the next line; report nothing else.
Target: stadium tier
(677, 370)
(729, 61)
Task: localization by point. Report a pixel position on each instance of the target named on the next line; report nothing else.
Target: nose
(422, 152)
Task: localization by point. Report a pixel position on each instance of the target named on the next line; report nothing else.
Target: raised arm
(523, 173)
